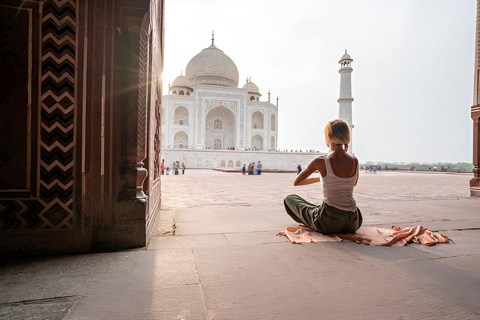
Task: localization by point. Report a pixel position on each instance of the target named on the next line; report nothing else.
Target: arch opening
(272, 143)
(220, 129)
(181, 116)
(257, 120)
(181, 140)
(257, 142)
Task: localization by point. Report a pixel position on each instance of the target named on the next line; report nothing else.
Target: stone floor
(215, 255)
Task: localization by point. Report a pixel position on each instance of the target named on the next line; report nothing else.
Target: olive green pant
(322, 218)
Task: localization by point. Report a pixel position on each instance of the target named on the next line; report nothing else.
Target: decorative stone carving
(211, 104)
(157, 139)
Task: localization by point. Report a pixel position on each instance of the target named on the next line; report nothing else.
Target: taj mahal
(208, 121)
(205, 109)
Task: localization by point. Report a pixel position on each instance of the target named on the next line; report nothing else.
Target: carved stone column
(143, 95)
(475, 182)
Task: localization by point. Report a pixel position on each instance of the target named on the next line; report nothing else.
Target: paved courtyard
(215, 255)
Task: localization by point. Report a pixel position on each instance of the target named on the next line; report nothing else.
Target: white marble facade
(205, 109)
(234, 160)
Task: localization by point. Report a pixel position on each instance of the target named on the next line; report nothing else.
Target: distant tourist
(338, 213)
(253, 168)
(299, 169)
(250, 168)
(168, 171)
(244, 170)
(163, 167)
(259, 168)
(183, 167)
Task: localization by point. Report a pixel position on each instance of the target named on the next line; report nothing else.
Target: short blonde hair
(338, 132)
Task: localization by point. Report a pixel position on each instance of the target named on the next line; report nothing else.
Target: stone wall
(81, 123)
(271, 160)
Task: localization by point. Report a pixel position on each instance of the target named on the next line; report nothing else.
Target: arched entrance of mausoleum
(181, 116)
(181, 140)
(257, 142)
(220, 129)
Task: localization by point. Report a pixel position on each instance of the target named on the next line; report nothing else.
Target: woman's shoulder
(318, 162)
(351, 157)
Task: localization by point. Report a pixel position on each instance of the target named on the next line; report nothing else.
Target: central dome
(212, 67)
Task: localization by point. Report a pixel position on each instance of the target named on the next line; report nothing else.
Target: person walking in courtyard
(249, 168)
(163, 167)
(253, 168)
(259, 168)
(183, 167)
(244, 170)
(299, 169)
(339, 174)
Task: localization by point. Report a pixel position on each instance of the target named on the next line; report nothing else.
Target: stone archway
(181, 116)
(257, 120)
(257, 142)
(181, 140)
(220, 129)
(272, 143)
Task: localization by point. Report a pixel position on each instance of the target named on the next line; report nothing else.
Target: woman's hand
(307, 181)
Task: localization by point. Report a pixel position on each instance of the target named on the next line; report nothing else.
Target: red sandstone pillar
(475, 182)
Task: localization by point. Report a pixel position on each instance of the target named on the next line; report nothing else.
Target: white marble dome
(181, 81)
(346, 56)
(212, 67)
(251, 87)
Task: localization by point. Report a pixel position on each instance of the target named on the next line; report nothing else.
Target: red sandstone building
(80, 125)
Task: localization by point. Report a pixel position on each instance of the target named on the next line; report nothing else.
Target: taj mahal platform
(215, 255)
(235, 159)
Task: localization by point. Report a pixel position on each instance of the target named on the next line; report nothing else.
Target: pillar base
(475, 187)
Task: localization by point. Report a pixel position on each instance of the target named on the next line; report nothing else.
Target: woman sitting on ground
(339, 171)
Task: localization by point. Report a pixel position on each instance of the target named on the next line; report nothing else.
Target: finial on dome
(345, 51)
(213, 37)
(181, 73)
(250, 80)
(247, 79)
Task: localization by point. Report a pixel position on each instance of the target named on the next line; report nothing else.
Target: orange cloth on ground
(369, 235)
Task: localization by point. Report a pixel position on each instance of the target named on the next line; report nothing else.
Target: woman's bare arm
(303, 177)
(357, 163)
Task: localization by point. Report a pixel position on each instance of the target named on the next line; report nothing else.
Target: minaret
(345, 100)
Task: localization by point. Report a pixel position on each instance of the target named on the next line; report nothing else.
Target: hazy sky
(412, 71)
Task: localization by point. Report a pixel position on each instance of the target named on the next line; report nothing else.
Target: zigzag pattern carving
(54, 207)
(20, 214)
(57, 113)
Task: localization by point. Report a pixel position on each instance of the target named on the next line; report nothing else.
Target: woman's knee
(290, 198)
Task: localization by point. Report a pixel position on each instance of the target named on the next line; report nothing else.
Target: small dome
(181, 81)
(251, 87)
(212, 67)
(346, 56)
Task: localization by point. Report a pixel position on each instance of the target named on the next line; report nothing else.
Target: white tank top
(338, 192)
